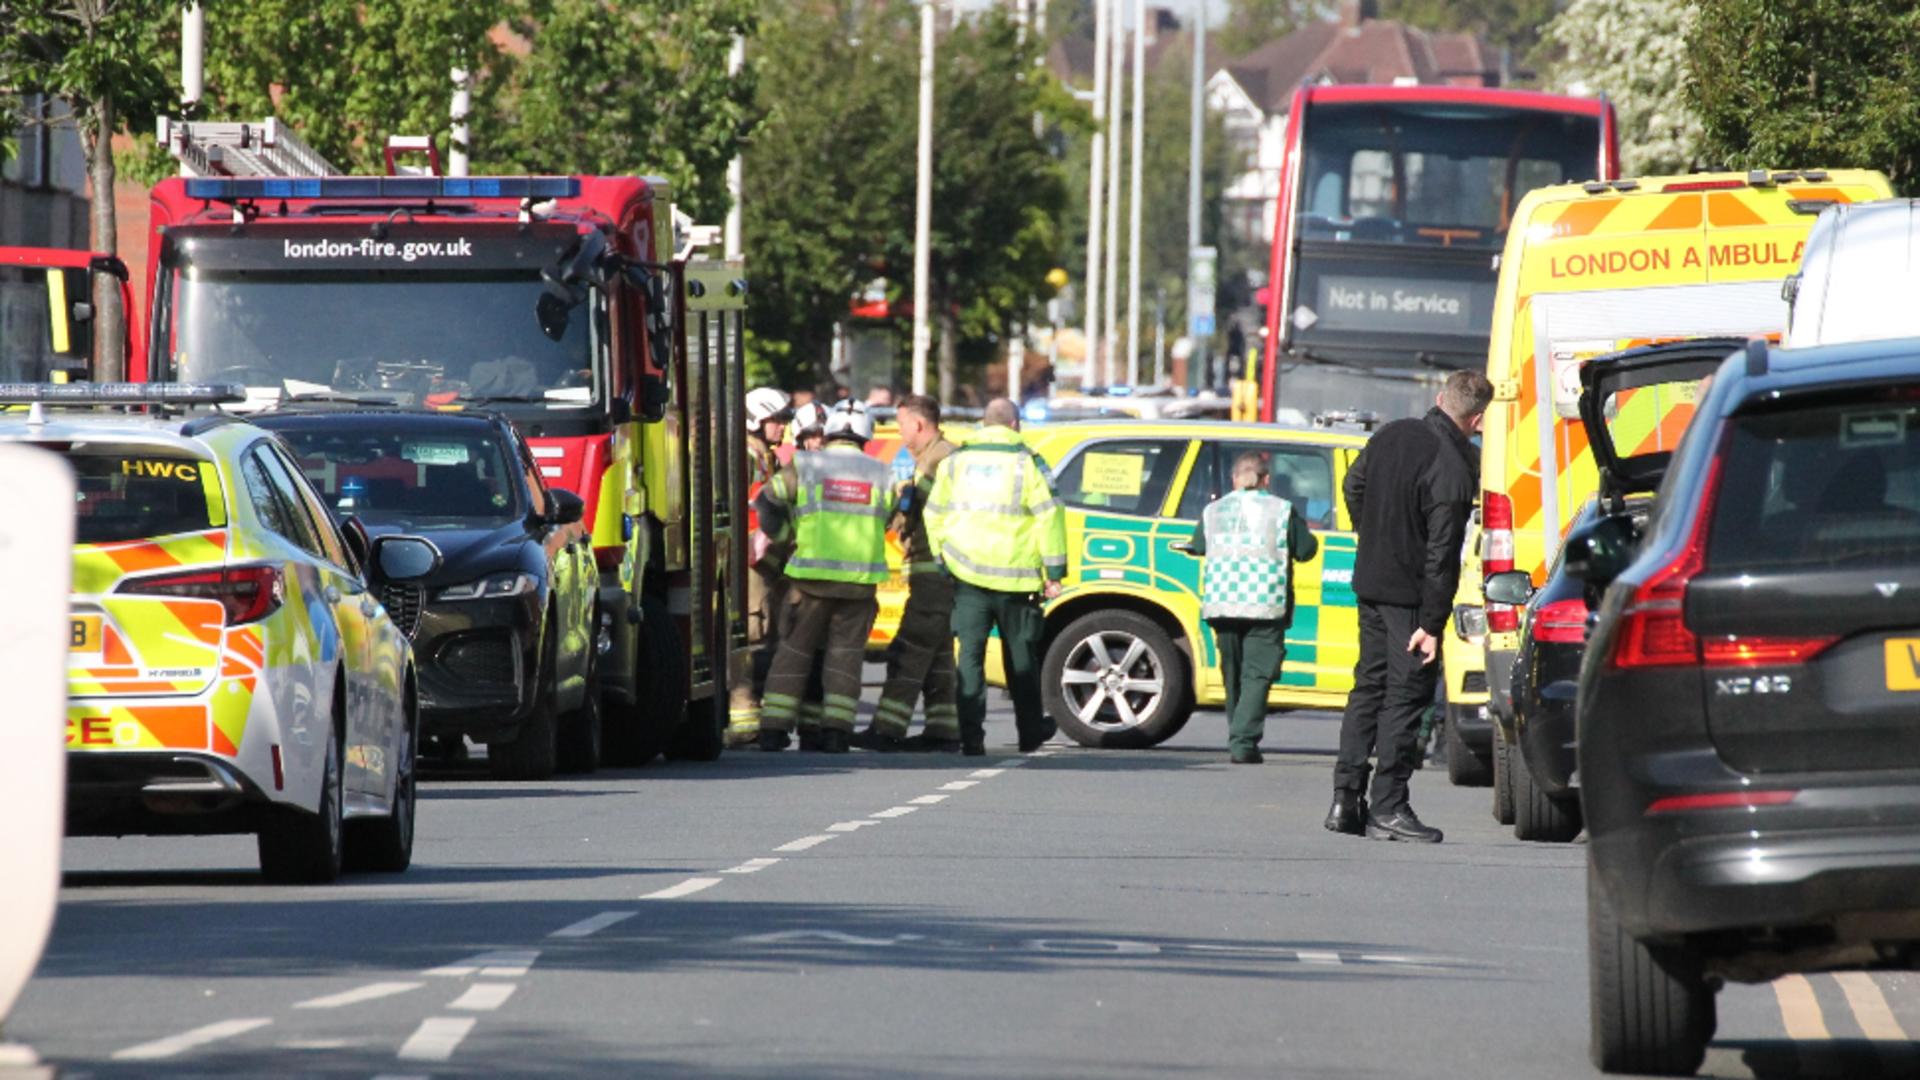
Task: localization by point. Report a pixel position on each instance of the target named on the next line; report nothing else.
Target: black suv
(1749, 708)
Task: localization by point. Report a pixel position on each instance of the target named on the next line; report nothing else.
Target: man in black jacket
(1409, 494)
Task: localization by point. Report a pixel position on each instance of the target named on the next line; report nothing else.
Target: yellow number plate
(83, 634)
(1903, 663)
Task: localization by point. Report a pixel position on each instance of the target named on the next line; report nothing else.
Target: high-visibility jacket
(1246, 550)
(993, 518)
(834, 503)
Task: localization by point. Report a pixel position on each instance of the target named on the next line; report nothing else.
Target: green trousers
(816, 624)
(976, 613)
(1250, 656)
(920, 661)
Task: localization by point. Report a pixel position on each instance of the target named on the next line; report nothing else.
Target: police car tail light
(248, 593)
(1563, 621)
(1496, 554)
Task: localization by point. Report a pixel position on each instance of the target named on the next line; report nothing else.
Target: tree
(105, 58)
(1250, 24)
(1805, 83)
(1634, 51)
(1510, 24)
(631, 86)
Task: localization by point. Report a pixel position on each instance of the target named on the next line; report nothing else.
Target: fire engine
(573, 304)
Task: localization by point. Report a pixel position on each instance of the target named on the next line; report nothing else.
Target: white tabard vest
(1247, 559)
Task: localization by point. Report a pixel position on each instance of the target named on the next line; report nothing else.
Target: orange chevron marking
(138, 556)
(1727, 210)
(1682, 213)
(178, 727)
(1581, 218)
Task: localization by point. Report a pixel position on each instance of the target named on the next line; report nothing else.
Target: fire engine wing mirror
(1508, 587)
(1600, 552)
(405, 558)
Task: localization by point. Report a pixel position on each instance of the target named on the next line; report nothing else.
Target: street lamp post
(923, 204)
(1116, 76)
(1096, 195)
(1134, 182)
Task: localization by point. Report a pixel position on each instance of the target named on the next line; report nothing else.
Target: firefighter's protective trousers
(836, 625)
(766, 601)
(920, 661)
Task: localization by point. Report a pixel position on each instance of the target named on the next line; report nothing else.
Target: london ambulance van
(1598, 267)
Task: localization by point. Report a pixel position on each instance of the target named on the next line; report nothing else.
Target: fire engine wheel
(1115, 679)
(639, 731)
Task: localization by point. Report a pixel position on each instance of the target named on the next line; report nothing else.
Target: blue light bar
(230, 189)
(122, 393)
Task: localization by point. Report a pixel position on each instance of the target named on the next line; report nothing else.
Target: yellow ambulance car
(1603, 266)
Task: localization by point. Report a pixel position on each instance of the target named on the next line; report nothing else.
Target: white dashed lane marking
(849, 826)
(686, 888)
(483, 997)
(751, 866)
(499, 964)
(188, 1040)
(928, 800)
(805, 842)
(985, 774)
(436, 1038)
(369, 992)
(894, 812)
(959, 785)
(592, 926)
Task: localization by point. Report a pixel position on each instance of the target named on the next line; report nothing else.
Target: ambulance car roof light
(1759, 178)
(1815, 175)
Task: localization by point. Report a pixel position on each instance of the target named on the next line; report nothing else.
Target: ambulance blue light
(1035, 411)
(239, 188)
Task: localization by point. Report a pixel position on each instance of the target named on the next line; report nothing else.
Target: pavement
(1071, 913)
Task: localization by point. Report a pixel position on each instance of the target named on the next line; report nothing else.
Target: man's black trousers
(1391, 689)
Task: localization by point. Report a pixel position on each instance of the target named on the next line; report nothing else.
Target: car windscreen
(135, 494)
(1831, 485)
(421, 479)
(346, 316)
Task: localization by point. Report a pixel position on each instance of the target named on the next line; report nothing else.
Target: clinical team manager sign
(1401, 305)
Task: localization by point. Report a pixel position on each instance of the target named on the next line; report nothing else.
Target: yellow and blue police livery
(231, 670)
(1128, 657)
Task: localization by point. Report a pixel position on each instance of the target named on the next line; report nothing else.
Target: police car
(230, 668)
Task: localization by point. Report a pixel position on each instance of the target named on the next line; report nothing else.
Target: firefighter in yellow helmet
(768, 410)
(995, 524)
(833, 504)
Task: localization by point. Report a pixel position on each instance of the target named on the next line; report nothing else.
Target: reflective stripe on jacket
(839, 500)
(1247, 558)
(993, 518)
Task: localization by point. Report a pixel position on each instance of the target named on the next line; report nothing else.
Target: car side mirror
(1508, 587)
(405, 558)
(567, 507)
(1600, 552)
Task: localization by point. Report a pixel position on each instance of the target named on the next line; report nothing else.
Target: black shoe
(1246, 757)
(773, 740)
(885, 742)
(1348, 814)
(1402, 826)
(1028, 745)
(924, 743)
(810, 739)
(973, 747)
(832, 741)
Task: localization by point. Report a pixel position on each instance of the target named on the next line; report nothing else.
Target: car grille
(403, 606)
(480, 659)
(1473, 682)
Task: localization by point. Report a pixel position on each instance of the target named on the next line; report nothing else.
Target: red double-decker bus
(1394, 207)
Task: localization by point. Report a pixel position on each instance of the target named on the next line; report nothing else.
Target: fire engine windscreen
(1402, 209)
(403, 319)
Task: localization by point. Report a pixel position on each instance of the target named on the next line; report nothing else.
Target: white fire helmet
(811, 417)
(848, 419)
(766, 403)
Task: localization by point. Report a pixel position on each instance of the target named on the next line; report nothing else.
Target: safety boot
(772, 741)
(879, 740)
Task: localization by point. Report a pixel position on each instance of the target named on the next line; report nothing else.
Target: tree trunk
(109, 321)
(949, 354)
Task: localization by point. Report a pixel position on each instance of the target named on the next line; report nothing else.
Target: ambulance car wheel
(385, 845)
(534, 752)
(304, 847)
(1115, 679)
(639, 731)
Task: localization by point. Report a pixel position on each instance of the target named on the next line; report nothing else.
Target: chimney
(1355, 12)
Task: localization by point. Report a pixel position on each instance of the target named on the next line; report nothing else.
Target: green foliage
(91, 52)
(1250, 24)
(1804, 83)
(1634, 51)
(629, 86)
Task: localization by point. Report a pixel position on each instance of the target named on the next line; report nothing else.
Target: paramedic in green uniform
(1250, 538)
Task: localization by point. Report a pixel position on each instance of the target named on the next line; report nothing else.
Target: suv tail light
(248, 593)
(1563, 621)
(1496, 554)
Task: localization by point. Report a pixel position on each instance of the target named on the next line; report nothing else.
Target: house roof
(1369, 51)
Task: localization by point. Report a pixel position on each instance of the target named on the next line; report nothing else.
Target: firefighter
(996, 526)
(834, 504)
(920, 659)
(768, 410)
(807, 432)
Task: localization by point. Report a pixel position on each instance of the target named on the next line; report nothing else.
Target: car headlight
(1470, 622)
(491, 587)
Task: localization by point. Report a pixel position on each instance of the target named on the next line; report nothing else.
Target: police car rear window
(137, 496)
(1833, 485)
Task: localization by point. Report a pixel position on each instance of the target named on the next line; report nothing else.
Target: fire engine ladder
(240, 149)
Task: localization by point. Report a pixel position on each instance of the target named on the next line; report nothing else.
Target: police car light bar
(122, 393)
(231, 189)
